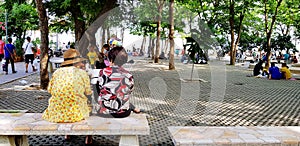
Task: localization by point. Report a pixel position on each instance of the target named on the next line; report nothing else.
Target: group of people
(273, 72)
(8, 55)
(70, 86)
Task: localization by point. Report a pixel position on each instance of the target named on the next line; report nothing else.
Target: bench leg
(21, 140)
(129, 140)
(13, 141)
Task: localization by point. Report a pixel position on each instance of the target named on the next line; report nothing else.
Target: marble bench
(235, 136)
(14, 128)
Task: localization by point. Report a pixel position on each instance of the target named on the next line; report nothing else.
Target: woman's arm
(87, 83)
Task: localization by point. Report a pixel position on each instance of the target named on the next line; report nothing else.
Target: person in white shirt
(29, 54)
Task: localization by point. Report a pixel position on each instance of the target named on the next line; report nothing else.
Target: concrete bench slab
(23, 124)
(235, 136)
(295, 70)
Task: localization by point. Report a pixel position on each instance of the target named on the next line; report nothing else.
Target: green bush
(18, 45)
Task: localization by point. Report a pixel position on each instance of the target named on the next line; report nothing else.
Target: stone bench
(14, 127)
(235, 136)
(57, 61)
(295, 70)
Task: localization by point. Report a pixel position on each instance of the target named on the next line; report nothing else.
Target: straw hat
(72, 56)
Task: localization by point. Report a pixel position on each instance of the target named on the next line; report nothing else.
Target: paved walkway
(217, 95)
(20, 68)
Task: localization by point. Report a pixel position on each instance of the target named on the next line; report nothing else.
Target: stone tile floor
(228, 98)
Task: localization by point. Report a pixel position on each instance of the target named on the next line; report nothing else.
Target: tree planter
(19, 59)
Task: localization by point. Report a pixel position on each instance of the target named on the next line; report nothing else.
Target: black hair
(105, 46)
(9, 40)
(283, 65)
(118, 56)
(99, 65)
(272, 64)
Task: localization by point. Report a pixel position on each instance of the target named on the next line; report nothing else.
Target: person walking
(9, 55)
(2, 43)
(29, 54)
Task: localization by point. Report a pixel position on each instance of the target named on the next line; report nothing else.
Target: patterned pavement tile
(228, 98)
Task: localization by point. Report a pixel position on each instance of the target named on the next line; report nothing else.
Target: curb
(17, 78)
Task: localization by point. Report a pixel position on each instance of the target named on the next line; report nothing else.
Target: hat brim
(73, 61)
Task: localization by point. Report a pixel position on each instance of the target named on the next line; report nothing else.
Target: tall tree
(269, 10)
(83, 15)
(233, 10)
(43, 23)
(159, 4)
(171, 35)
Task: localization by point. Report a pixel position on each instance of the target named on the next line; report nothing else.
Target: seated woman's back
(274, 72)
(68, 87)
(116, 85)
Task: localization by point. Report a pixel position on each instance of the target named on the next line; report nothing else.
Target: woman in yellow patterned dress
(68, 87)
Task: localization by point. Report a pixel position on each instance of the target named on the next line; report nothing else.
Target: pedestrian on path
(69, 87)
(10, 51)
(2, 43)
(29, 54)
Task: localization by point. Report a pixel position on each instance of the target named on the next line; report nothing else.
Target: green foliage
(2, 21)
(22, 17)
(63, 11)
(18, 44)
(250, 40)
(282, 42)
(145, 19)
(36, 42)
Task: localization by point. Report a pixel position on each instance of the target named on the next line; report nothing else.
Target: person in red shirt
(2, 43)
(38, 52)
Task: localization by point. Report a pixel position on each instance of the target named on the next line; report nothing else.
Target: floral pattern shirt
(116, 85)
(68, 103)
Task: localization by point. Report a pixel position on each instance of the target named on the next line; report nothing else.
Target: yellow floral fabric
(68, 103)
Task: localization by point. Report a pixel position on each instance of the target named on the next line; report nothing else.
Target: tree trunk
(166, 45)
(239, 30)
(122, 34)
(156, 58)
(79, 23)
(89, 35)
(232, 46)
(143, 44)
(152, 49)
(269, 30)
(149, 46)
(171, 36)
(43, 24)
(107, 34)
(103, 37)
(160, 7)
